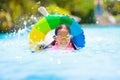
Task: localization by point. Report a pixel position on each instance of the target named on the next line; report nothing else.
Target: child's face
(63, 32)
(63, 37)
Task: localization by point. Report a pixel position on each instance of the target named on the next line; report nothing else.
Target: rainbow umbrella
(50, 22)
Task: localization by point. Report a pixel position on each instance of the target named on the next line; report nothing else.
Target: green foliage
(81, 8)
(54, 9)
(17, 10)
(112, 6)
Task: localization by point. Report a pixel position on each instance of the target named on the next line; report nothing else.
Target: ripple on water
(98, 60)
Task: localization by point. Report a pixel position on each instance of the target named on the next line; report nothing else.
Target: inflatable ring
(50, 22)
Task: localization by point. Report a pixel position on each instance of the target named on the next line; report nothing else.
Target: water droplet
(97, 22)
(59, 61)
(51, 59)
(25, 23)
(38, 2)
(18, 57)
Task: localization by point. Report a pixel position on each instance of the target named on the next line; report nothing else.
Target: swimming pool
(98, 60)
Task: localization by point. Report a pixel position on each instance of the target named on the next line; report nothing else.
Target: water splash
(98, 60)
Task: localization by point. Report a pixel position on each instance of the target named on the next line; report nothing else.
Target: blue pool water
(98, 60)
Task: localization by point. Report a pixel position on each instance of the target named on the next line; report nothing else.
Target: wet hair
(56, 31)
(61, 27)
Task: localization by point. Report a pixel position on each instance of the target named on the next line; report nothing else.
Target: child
(62, 39)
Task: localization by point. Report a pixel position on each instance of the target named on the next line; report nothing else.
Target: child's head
(62, 29)
(62, 36)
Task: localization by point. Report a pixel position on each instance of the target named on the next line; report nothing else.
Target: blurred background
(98, 60)
(17, 14)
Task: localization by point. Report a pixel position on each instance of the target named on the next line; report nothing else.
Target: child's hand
(41, 46)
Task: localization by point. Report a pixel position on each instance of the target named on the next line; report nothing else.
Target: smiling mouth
(63, 43)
